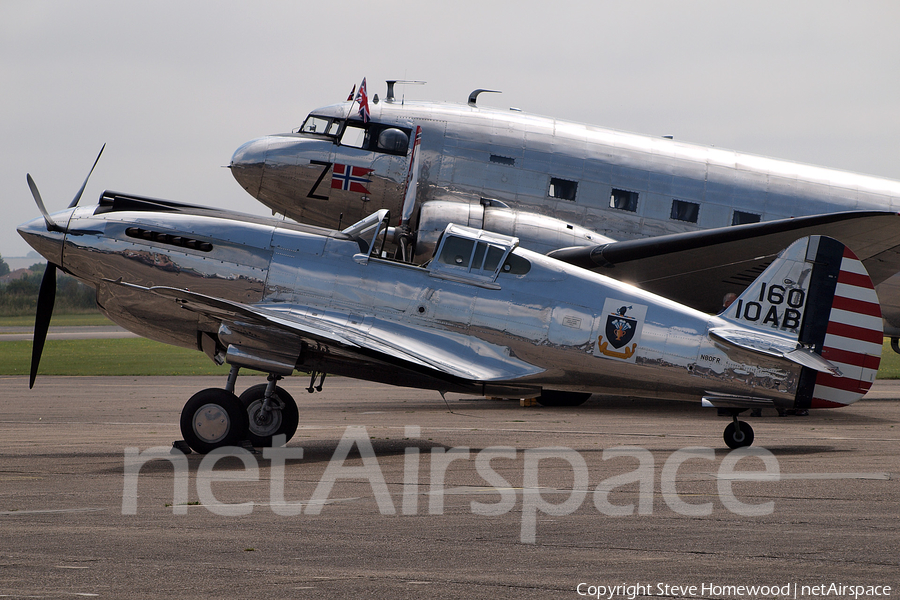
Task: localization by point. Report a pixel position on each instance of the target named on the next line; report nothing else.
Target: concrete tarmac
(433, 514)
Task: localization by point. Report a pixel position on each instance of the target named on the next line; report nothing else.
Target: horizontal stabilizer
(772, 345)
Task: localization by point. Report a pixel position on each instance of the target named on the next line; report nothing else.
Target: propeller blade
(412, 180)
(46, 299)
(51, 224)
(409, 198)
(84, 185)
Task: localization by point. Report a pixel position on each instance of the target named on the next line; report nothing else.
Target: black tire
(213, 418)
(554, 398)
(734, 440)
(278, 422)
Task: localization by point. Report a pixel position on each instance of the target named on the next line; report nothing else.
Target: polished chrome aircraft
(483, 315)
(555, 184)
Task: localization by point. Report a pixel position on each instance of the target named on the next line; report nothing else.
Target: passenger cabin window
(503, 160)
(623, 200)
(376, 137)
(685, 211)
(562, 188)
(739, 218)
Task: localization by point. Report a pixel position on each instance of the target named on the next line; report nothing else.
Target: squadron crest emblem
(620, 328)
(621, 332)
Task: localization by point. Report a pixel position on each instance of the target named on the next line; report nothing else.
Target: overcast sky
(174, 88)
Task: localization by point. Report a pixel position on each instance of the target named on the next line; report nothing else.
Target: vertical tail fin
(818, 294)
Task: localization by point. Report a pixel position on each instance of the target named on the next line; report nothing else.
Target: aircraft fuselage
(532, 323)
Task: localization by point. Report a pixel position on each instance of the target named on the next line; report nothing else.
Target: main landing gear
(738, 434)
(215, 417)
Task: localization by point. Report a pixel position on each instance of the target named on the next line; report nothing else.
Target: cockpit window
(376, 137)
(320, 125)
(457, 252)
(354, 136)
(476, 256)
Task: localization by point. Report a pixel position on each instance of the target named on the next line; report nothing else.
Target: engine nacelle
(535, 232)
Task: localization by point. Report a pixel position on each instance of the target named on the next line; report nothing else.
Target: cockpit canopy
(476, 254)
(372, 136)
(462, 254)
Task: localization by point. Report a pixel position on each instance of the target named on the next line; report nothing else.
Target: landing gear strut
(215, 418)
(738, 434)
(271, 411)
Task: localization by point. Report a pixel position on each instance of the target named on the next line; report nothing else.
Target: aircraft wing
(438, 353)
(699, 268)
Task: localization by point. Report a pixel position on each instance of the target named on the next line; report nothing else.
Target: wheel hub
(211, 423)
(263, 422)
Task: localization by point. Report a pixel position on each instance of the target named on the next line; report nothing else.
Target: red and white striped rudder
(843, 324)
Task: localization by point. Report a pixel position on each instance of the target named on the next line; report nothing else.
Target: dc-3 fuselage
(482, 315)
(551, 183)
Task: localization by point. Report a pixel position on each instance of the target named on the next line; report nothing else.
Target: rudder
(847, 330)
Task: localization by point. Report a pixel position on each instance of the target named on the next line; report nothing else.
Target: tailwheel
(213, 418)
(278, 416)
(738, 434)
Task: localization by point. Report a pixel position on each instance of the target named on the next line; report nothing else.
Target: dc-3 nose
(46, 241)
(248, 163)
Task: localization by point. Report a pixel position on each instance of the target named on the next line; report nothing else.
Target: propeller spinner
(47, 293)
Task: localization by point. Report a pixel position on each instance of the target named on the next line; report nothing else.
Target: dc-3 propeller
(47, 293)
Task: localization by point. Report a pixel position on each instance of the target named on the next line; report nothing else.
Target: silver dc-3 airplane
(481, 315)
(651, 211)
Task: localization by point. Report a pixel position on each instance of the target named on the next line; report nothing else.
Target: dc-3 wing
(698, 268)
(437, 353)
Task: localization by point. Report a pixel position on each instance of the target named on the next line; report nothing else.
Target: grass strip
(139, 356)
(128, 356)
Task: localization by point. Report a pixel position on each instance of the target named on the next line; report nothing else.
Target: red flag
(353, 91)
(363, 98)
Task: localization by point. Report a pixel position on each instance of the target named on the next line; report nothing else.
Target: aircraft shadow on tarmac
(322, 451)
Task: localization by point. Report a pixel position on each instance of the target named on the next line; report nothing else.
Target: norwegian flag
(363, 98)
(347, 177)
